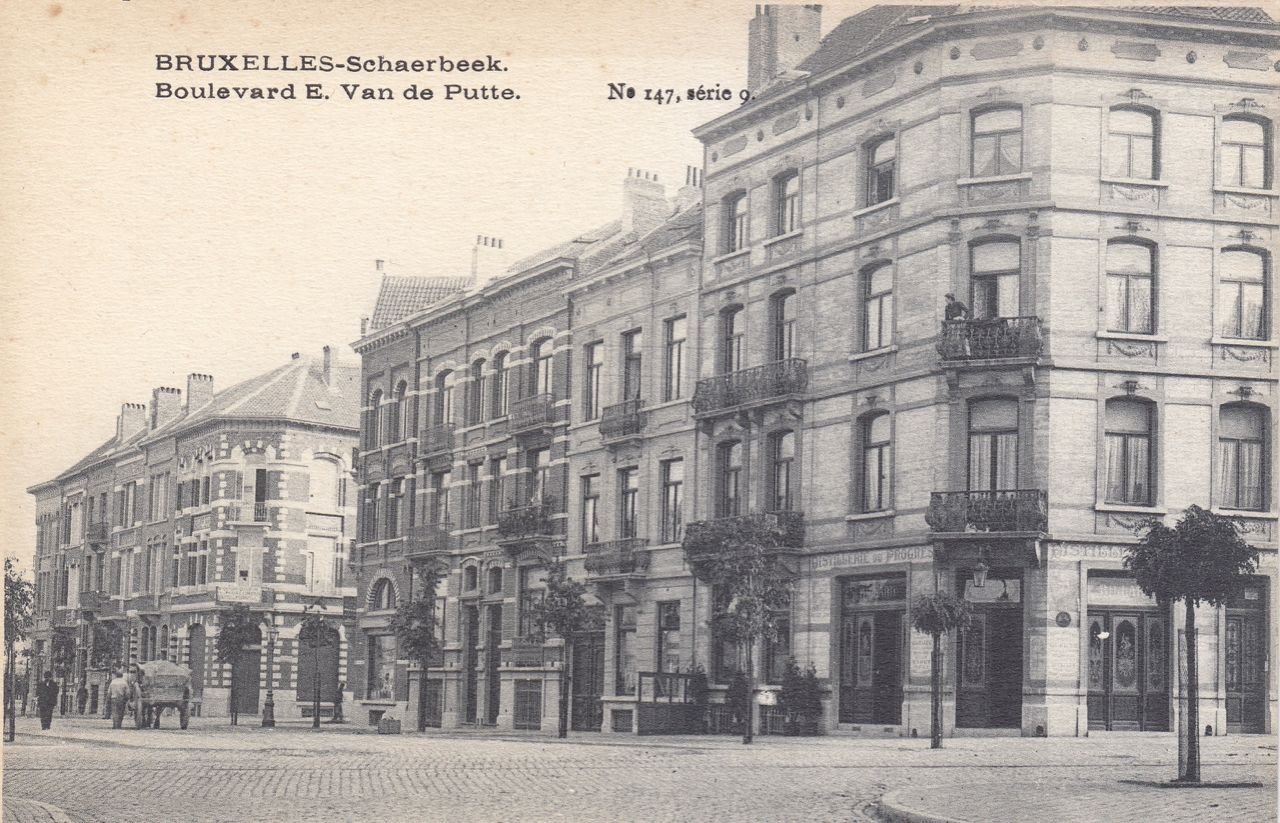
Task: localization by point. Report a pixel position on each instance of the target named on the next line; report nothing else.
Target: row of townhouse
(237, 497)
(1097, 185)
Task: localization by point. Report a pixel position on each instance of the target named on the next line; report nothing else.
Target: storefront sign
(1104, 590)
(996, 590)
(1085, 551)
(872, 557)
(875, 591)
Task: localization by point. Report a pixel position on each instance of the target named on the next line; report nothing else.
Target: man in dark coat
(46, 699)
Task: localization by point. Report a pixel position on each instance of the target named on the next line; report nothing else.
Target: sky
(148, 238)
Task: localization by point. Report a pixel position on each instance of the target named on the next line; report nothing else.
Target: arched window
(731, 340)
(735, 222)
(375, 419)
(495, 580)
(876, 462)
(540, 372)
(1129, 451)
(993, 444)
(445, 381)
(1242, 457)
(1242, 294)
(476, 394)
(782, 458)
(382, 596)
(729, 479)
(1132, 144)
(782, 312)
(882, 160)
(501, 385)
(997, 142)
(397, 414)
(786, 202)
(995, 273)
(877, 306)
(470, 579)
(1244, 153)
(1130, 287)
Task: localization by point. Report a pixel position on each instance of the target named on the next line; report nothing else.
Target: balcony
(756, 386)
(622, 421)
(428, 540)
(94, 600)
(1012, 511)
(438, 439)
(98, 532)
(996, 338)
(524, 522)
(616, 559)
(778, 532)
(248, 513)
(532, 414)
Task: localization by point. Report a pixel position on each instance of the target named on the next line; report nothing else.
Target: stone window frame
(1001, 101)
(1239, 112)
(1129, 386)
(731, 242)
(880, 133)
(777, 184)
(865, 272)
(1268, 407)
(1135, 100)
(1268, 292)
(1157, 291)
(861, 429)
(1004, 234)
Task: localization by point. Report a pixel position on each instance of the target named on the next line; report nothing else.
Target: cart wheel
(184, 713)
(139, 715)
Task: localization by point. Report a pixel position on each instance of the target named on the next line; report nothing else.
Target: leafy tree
(107, 636)
(415, 624)
(800, 697)
(563, 610)
(237, 628)
(935, 615)
(1201, 559)
(19, 601)
(738, 557)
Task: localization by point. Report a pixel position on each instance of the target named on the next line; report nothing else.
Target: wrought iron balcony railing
(622, 420)
(995, 338)
(93, 600)
(532, 413)
(438, 439)
(753, 386)
(98, 532)
(525, 521)
(249, 513)
(427, 539)
(616, 558)
(1009, 510)
(779, 532)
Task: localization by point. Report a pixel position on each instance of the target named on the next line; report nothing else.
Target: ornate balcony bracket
(526, 532)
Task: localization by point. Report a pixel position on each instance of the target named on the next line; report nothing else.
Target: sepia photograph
(692, 410)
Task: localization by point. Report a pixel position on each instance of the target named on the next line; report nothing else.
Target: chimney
(691, 192)
(489, 259)
(199, 390)
(132, 419)
(166, 402)
(779, 39)
(328, 366)
(644, 202)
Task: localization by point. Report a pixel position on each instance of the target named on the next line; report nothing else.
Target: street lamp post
(315, 625)
(269, 707)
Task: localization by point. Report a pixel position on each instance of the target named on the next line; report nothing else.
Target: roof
(880, 25)
(685, 224)
(587, 243)
(400, 297)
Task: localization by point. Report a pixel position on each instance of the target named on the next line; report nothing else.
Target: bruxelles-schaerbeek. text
(323, 63)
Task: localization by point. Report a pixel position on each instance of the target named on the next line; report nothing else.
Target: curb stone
(892, 810)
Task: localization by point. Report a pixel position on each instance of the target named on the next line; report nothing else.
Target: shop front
(1129, 653)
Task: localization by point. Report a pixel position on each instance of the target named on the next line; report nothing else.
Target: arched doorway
(195, 657)
(325, 674)
(247, 675)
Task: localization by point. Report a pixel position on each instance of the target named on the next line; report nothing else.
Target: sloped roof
(400, 296)
(587, 243)
(686, 224)
(102, 452)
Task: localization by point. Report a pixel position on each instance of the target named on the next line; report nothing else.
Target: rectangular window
(777, 650)
(539, 463)
(1128, 436)
(632, 359)
(532, 582)
(1242, 295)
(673, 367)
(724, 653)
(1242, 457)
(729, 480)
(731, 340)
(993, 445)
(1131, 144)
(628, 495)
(1130, 291)
(590, 509)
(672, 500)
(782, 453)
(594, 360)
(876, 454)
(668, 657)
(440, 514)
(474, 494)
(786, 193)
(997, 142)
(497, 487)
(625, 650)
(881, 167)
(877, 308)
(1244, 154)
(784, 326)
(394, 493)
(995, 272)
(735, 234)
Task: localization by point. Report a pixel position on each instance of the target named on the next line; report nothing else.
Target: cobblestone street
(83, 771)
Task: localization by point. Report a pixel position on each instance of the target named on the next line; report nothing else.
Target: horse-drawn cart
(161, 685)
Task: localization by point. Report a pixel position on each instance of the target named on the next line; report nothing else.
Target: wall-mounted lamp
(980, 570)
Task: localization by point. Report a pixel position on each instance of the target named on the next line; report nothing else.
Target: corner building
(1097, 187)
(236, 497)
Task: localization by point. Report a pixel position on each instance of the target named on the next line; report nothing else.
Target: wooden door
(471, 625)
(587, 713)
(1246, 680)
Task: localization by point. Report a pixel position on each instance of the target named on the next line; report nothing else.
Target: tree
(237, 628)
(19, 601)
(563, 610)
(800, 697)
(416, 625)
(935, 615)
(738, 557)
(107, 636)
(1201, 559)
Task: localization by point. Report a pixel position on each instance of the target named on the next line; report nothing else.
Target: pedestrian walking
(82, 698)
(46, 699)
(337, 704)
(118, 694)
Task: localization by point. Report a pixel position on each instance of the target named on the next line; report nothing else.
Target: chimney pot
(199, 390)
(328, 366)
(295, 356)
(779, 38)
(166, 402)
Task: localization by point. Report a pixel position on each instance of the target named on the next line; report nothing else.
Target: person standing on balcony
(955, 310)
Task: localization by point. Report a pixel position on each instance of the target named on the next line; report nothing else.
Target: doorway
(1128, 671)
(248, 677)
(1246, 650)
(492, 659)
(989, 653)
(871, 642)
(588, 682)
(471, 628)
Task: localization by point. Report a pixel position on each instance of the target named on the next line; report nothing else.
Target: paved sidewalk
(18, 810)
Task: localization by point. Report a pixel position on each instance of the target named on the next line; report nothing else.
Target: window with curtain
(882, 160)
(632, 363)
(1242, 457)
(501, 385)
(782, 458)
(590, 484)
(993, 444)
(1130, 288)
(540, 376)
(735, 229)
(876, 457)
(731, 340)
(729, 477)
(782, 311)
(444, 398)
(476, 394)
(674, 366)
(1131, 144)
(1242, 295)
(877, 307)
(786, 198)
(539, 463)
(997, 142)
(1128, 457)
(1244, 153)
(995, 274)
(628, 497)
(593, 367)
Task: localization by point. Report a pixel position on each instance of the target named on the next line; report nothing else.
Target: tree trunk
(566, 683)
(1192, 775)
(232, 696)
(10, 698)
(935, 689)
(751, 689)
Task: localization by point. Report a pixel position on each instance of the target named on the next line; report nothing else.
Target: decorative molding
(1131, 349)
(1246, 354)
(996, 192)
(1147, 52)
(992, 93)
(1251, 60)
(1134, 194)
(735, 145)
(1135, 95)
(879, 82)
(785, 249)
(991, 49)
(1246, 103)
(1245, 202)
(786, 122)
(1131, 522)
